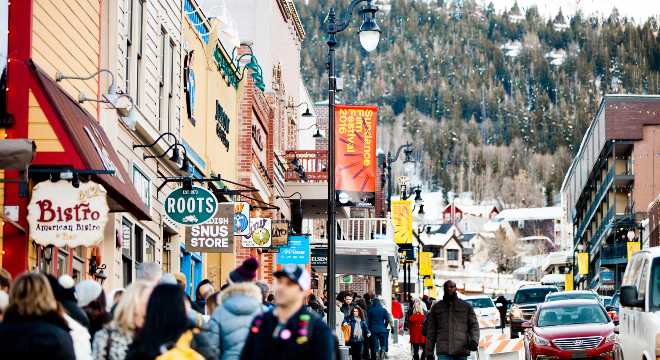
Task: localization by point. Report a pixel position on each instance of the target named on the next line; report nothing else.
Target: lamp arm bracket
(157, 140)
(344, 18)
(185, 154)
(59, 77)
(398, 151)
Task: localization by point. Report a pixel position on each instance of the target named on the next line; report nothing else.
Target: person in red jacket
(415, 325)
(397, 313)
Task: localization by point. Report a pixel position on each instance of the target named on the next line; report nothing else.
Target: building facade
(610, 183)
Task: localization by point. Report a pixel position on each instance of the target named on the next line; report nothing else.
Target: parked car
(573, 295)
(525, 301)
(487, 313)
(605, 300)
(570, 329)
(640, 306)
(613, 308)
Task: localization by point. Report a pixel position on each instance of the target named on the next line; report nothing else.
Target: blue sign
(606, 276)
(296, 251)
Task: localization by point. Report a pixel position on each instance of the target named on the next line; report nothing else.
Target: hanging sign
(295, 252)
(355, 155)
(259, 235)
(280, 232)
(319, 257)
(241, 218)
(583, 263)
(346, 279)
(568, 282)
(190, 207)
(425, 263)
(62, 215)
(428, 282)
(402, 221)
(632, 247)
(214, 236)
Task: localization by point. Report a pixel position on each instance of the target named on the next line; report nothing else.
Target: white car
(487, 313)
(639, 314)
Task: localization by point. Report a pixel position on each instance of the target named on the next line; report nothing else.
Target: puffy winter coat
(415, 326)
(450, 325)
(378, 318)
(230, 323)
(35, 338)
(81, 339)
(355, 322)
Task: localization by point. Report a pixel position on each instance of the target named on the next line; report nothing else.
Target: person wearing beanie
(65, 296)
(91, 299)
(204, 289)
(238, 304)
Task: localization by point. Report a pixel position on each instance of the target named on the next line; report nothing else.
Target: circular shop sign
(191, 207)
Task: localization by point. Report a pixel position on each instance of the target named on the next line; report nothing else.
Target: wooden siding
(39, 128)
(65, 38)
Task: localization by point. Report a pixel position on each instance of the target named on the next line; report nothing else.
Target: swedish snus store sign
(215, 235)
(191, 207)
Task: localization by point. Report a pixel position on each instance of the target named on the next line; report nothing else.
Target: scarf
(357, 330)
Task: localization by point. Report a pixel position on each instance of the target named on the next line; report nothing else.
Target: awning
(93, 147)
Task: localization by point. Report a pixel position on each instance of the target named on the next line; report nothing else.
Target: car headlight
(516, 313)
(541, 341)
(610, 338)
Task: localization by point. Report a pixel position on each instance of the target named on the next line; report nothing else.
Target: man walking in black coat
(452, 329)
(291, 330)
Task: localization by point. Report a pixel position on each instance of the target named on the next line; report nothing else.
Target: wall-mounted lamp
(253, 64)
(318, 131)
(307, 113)
(185, 165)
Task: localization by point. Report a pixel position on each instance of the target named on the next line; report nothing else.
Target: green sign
(347, 279)
(190, 207)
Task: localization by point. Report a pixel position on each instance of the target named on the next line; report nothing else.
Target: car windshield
(655, 285)
(528, 296)
(480, 303)
(569, 296)
(571, 315)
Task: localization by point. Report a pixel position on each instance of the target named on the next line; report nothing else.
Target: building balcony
(598, 199)
(362, 229)
(313, 162)
(601, 231)
(306, 173)
(614, 254)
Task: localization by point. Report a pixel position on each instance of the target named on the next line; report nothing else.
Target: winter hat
(87, 291)
(297, 274)
(247, 272)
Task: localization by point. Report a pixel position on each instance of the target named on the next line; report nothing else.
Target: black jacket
(450, 326)
(290, 342)
(37, 338)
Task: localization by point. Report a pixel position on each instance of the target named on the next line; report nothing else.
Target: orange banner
(355, 154)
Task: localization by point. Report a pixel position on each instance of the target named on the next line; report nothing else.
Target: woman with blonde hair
(34, 326)
(415, 326)
(112, 342)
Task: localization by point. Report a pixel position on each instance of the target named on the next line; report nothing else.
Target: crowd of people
(42, 316)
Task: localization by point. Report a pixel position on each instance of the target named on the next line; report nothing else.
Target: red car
(570, 329)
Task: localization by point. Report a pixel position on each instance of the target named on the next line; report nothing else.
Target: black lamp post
(369, 37)
(407, 150)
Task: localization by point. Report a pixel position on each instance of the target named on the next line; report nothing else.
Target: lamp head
(369, 30)
(421, 210)
(175, 155)
(185, 166)
(131, 118)
(307, 113)
(418, 196)
(318, 134)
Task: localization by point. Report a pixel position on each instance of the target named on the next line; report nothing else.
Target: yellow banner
(633, 247)
(428, 282)
(425, 268)
(433, 292)
(583, 263)
(568, 283)
(402, 221)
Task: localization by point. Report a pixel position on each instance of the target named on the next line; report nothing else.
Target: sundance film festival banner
(355, 155)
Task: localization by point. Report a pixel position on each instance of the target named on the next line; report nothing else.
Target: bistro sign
(62, 215)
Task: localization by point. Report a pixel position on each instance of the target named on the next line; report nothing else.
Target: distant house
(529, 222)
(468, 218)
(444, 241)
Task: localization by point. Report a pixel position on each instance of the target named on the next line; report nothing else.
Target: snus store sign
(215, 235)
(62, 215)
(191, 207)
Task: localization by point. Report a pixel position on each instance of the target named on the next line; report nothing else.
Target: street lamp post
(369, 37)
(408, 150)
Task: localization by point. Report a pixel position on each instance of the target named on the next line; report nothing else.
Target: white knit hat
(87, 291)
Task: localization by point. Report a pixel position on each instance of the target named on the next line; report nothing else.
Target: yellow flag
(568, 283)
(633, 247)
(428, 282)
(433, 292)
(425, 268)
(402, 221)
(583, 263)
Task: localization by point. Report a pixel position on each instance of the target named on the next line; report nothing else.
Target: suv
(525, 302)
(639, 323)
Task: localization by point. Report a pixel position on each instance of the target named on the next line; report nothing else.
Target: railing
(313, 162)
(615, 251)
(596, 203)
(594, 242)
(362, 229)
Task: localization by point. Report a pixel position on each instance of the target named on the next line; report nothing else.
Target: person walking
(204, 289)
(166, 322)
(397, 313)
(291, 330)
(347, 305)
(359, 332)
(92, 300)
(415, 326)
(112, 342)
(452, 328)
(34, 326)
(504, 303)
(238, 304)
(379, 318)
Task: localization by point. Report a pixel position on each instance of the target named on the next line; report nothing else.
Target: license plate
(579, 355)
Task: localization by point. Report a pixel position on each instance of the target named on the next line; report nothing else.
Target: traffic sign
(190, 207)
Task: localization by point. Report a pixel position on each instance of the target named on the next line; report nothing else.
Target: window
(149, 249)
(134, 48)
(129, 43)
(126, 251)
(162, 101)
(138, 57)
(170, 89)
(139, 242)
(142, 185)
(643, 281)
(452, 254)
(62, 262)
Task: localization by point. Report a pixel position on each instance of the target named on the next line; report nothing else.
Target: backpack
(181, 350)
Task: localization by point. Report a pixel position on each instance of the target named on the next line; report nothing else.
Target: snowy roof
(437, 238)
(468, 237)
(478, 210)
(543, 213)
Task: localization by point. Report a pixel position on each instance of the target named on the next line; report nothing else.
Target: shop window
(126, 251)
(162, 88)
(78, 263)
(142, 185)
(452, 254)
(171, 104)
(134, 38)
(62, 262)
(149, 249)
(139, 242)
